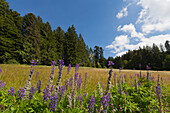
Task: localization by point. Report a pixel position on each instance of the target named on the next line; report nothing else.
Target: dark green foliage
(25, 38)
(153, 56)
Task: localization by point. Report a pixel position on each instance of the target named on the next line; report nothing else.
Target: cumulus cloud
(154, 16)
(118, 44)
(130, 29)
(153, 22)
(122, 13)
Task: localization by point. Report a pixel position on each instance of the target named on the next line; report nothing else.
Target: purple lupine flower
(81, 100)
(147, 67)
(120, 69)
(130, 76)
(119, 91)
(11, 91)
(21, 93)
(31, 93)
(33, 63)
(144, 76)
(158, 89)
(91, 104)
(39, 86)
(46, 94)
(126, 93)
(66, 84)
(0, 70)
(2, 85)
(53, 103)
(69, 68)
(61, 64)
(53, 63)
(76, 78)
(110, 63)
(120, 76)
(105, 101)
(37, 75)
(152, 78)
(52, 88)
(79, 82)
(62, 92)
(71, 83)
(124, 76)
(77, 67)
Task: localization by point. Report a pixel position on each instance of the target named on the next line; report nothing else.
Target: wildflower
(120, 108)
(11, 91)
(62, 92)
(158, 89)
(31, 93)
(91, 104)
(79, 82)
(110, 63)
(77, 67)
(71, 83)
(105, 100)
(46, 94)
(75, 79)
(21, 93)
(2, 85)
(52, 89)
(120, 69)
(53, 103)
(61, 64)
(69, 68)
(39, 86)
(53, 63)
(33, 63)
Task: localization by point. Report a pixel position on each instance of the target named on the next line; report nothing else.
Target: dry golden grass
(16, 75)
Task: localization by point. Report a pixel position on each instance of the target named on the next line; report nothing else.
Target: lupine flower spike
(60, 66)
(11, 91)
(21, 93)
(50, 83)
(91, 104)
(69, 68)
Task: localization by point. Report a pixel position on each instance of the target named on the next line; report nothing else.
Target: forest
(23, 38)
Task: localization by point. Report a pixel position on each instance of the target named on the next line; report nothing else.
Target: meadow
(16, 76)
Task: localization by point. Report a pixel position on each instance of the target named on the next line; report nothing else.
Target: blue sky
(114, 25)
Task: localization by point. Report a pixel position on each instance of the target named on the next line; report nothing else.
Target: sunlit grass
(16, 75)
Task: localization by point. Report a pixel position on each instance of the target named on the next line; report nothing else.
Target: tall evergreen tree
(70, 46)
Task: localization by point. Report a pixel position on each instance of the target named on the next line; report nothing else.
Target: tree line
(23, 38)
(155, 57)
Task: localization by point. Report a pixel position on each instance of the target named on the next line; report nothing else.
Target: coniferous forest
(23, 38)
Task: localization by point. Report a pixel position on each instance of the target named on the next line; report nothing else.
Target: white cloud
(118, 44)
(130, 29)
(155, 15)
(121, 53)
(122, 13)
